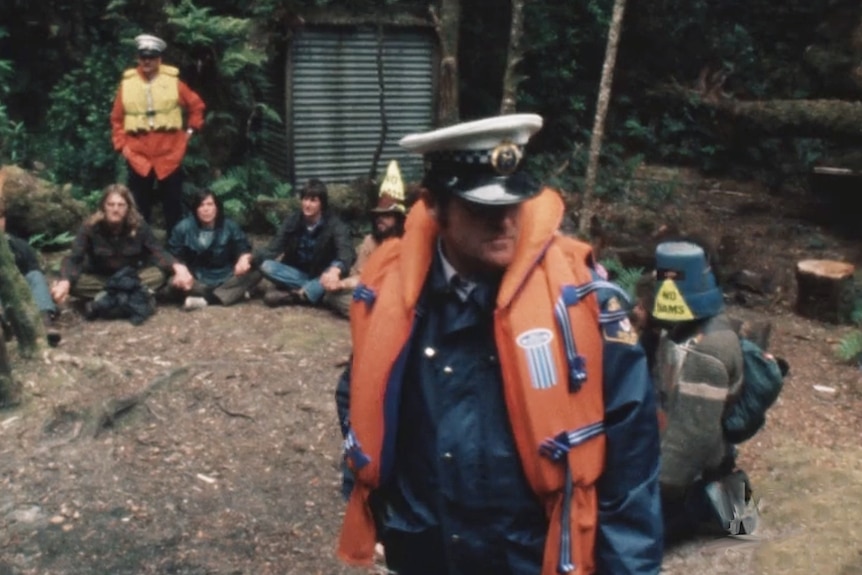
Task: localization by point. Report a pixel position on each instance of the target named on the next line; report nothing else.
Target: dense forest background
(756, 89)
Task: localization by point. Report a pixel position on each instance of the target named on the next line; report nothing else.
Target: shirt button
(455, 538)
(430, 352)
(447, 455)
(492, 358)
(447, 370)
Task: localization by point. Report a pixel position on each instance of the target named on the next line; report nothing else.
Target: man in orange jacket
(498, 413)
(147, 129)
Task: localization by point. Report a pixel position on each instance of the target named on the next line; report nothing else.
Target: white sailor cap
(480, 161)
(149, 45)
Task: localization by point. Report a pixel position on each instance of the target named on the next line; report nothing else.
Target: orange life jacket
(552, 375)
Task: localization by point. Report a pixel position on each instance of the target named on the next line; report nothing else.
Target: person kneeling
(698, 371)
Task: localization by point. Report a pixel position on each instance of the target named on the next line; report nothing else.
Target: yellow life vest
(152, 105)
(555, 407)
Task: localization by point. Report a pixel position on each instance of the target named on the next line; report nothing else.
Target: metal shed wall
(334, 111)
(273, 142)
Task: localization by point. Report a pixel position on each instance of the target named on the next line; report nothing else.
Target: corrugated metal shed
(334, 112)
(273, 143)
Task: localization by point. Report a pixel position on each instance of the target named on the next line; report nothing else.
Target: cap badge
(505, 158)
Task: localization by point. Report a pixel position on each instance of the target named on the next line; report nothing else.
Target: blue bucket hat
(479, 161)
(685, 284)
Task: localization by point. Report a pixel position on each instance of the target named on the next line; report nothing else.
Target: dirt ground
(206, 442)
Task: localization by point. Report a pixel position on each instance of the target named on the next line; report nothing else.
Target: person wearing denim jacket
(311, 252)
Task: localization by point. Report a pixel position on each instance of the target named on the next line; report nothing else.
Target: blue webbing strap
(556, 448)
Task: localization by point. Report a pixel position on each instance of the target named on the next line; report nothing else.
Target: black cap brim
(149, 54)
(486, 189)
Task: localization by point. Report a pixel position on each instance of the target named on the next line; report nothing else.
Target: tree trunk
(18, 302)
(447, 26)
(511, 78)
(601, 112)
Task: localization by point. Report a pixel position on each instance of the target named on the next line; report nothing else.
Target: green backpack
(762, 380)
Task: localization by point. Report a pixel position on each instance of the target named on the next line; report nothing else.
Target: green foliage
(750, 46)
(228, 56)
(43, 241)
(219, 56)
(90, 198)
(564, 61)
(661, 193)
(815, 241)
(12, 135)
(14, 139)
(273, 220)
(241, 185)
(79, 140)
(67, 57)
(849, 349)
(626, 278)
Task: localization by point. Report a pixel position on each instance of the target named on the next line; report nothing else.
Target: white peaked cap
(150, 43)
(479, 161)
(483, 134)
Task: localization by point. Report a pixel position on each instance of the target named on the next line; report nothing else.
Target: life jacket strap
(557, 447)
(353, 451)
(364, 293)
(576, 362)
(571, 295)
(564, 561)
(574, 294)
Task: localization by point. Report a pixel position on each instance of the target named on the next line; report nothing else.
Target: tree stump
(825, 290)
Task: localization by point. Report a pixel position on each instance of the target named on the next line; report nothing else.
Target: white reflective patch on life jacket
(536, 344)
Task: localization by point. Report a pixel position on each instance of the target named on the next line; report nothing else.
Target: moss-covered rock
(36, 206)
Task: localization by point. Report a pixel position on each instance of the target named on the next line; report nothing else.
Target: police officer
(498, 414)
(147, 129)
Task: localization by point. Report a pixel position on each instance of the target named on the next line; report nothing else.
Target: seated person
(387, 222)
(698, 372)
(27, 262)
(217, 253)
(114, 238)
(315, 251)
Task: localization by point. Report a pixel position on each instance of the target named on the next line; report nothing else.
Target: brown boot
(51, 332)
(277, 297)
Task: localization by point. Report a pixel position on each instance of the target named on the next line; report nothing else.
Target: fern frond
(850, 347)
(626, 278)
